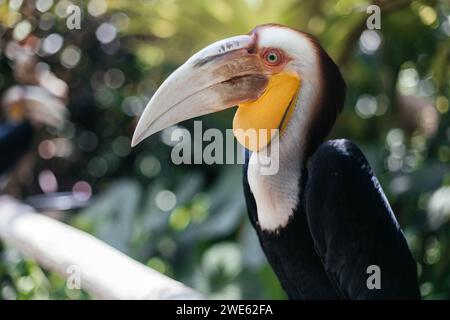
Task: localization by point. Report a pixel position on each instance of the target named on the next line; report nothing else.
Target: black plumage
(342, 224)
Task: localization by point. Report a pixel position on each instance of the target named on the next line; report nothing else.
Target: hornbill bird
(323, 220)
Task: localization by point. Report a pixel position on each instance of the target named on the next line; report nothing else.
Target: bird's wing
(355, 232)
(291, 253)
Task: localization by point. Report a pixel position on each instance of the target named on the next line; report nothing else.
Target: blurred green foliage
(189, 222)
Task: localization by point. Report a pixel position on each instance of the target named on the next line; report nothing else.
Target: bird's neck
(277, 195)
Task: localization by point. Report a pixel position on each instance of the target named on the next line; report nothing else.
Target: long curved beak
(218, 77)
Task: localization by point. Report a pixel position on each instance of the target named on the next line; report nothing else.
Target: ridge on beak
(220, 76)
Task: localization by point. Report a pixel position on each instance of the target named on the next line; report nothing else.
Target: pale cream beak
(218, 77)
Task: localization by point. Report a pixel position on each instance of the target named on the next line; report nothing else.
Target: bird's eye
(273, 57)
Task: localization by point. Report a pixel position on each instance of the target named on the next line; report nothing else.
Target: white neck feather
(277, 196)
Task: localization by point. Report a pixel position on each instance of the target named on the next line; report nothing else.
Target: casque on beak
(220, 76)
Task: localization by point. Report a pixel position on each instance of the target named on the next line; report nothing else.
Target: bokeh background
(189, 222)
